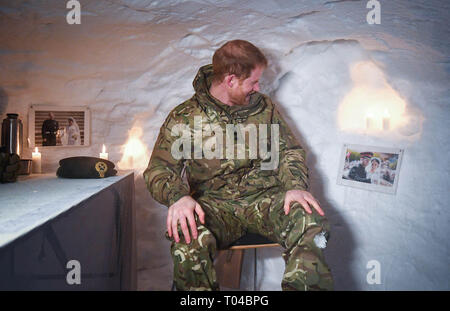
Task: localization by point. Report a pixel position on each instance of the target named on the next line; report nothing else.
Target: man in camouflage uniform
(229, 196)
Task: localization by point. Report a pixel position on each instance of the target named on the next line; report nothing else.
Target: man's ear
(230, 80)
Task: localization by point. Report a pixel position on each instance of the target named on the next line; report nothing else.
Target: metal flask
(12, 133)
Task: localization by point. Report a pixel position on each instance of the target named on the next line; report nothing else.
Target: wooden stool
(228, 263)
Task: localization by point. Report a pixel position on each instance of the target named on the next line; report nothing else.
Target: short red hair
(236, 57)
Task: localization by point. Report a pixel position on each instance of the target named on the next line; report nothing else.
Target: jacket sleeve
(163, 174)
(293, 172)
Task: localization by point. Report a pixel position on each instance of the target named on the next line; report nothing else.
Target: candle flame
(135, 153)
(104, 149)
(36, 150)
(370, 96)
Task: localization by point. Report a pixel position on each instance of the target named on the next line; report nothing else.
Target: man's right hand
(182, 211)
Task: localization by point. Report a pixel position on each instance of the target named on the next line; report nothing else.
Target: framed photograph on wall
(370, 167)
(58, 126)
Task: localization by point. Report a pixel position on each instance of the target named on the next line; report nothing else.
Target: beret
(85, 167)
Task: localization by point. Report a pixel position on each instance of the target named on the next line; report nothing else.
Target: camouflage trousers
(302, 236)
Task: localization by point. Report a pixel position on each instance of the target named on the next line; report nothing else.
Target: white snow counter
(68, 234)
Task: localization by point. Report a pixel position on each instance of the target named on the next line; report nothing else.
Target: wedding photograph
(371, 168)
(58, 127)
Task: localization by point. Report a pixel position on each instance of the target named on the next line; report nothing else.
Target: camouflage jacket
(222, 177)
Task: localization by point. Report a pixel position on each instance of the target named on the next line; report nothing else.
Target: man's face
(365, 161)
(242, 89)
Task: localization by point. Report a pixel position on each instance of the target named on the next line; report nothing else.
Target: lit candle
(103, 154)
(386, 120)
(36, 161)
(369, 121)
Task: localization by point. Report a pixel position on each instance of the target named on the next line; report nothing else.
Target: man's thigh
(255, 212)
(221, 221)
(265, 215)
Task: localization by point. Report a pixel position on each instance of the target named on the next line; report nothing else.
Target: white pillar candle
(36, 161)
(104, 154)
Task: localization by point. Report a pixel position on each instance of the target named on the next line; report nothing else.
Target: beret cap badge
(101, 168)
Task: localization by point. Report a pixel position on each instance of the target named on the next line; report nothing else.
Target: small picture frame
(51, 126)
(370, 167)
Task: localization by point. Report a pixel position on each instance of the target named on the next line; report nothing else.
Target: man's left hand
(304, 198)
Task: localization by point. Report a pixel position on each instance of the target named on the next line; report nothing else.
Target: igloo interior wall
(131, 62)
